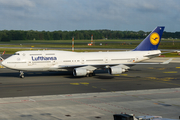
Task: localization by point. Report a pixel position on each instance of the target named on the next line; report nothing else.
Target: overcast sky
(51, 15)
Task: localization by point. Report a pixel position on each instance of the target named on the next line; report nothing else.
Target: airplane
(85, 63)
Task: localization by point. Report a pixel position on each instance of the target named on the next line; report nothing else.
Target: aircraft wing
(92, 67)
(165, 62)
(152, 56)
(102, 66)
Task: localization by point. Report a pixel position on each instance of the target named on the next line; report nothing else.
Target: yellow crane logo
(154, 38)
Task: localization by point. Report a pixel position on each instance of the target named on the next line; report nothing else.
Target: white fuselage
(53, 60)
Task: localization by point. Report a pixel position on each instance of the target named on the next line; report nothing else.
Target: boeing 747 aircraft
(84, 64)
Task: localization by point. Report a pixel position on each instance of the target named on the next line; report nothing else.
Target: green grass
(81, 41)
(67, 41)
(104, 45)
(171, 54)
(120, 46)
(109, 44)
(13, 50)
(10, 50)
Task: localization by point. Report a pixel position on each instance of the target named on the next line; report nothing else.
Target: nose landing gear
(21, 74)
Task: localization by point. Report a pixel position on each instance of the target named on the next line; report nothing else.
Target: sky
(70, 15)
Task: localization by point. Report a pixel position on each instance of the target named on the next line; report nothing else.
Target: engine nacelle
(80, 72)
(115, 70)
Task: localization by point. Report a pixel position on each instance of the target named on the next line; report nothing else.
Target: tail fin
(151, 42)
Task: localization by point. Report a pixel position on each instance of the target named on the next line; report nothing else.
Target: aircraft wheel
(22, 76)
(89, 75)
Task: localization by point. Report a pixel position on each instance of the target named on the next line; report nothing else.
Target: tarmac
(144, 90)
(92, 106)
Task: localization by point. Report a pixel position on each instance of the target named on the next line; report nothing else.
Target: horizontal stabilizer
(167, 62)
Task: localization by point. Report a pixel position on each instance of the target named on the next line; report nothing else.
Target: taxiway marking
(162, 79)
(1, 66)
(124, 74)
(74, 83)
(170, 72)
(156, 68)
(84, 83)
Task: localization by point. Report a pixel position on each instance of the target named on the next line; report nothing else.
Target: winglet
(167, 62)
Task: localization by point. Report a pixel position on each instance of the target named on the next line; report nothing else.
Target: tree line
(8, 35)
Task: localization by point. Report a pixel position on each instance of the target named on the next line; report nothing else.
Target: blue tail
(151, 42)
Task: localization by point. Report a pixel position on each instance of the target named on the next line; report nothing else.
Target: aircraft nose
(4, 63)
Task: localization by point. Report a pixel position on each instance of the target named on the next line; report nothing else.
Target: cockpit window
(16, 53)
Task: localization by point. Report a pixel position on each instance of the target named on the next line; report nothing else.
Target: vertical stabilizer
(151, 42)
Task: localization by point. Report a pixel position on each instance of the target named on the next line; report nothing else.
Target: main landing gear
(21, 74)
(90, 74)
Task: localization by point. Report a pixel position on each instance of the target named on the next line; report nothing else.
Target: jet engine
(116, 70)
(80, 72)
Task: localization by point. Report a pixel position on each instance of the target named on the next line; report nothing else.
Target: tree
(5, 38)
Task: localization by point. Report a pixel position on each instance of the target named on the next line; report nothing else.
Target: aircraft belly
(33, 69)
